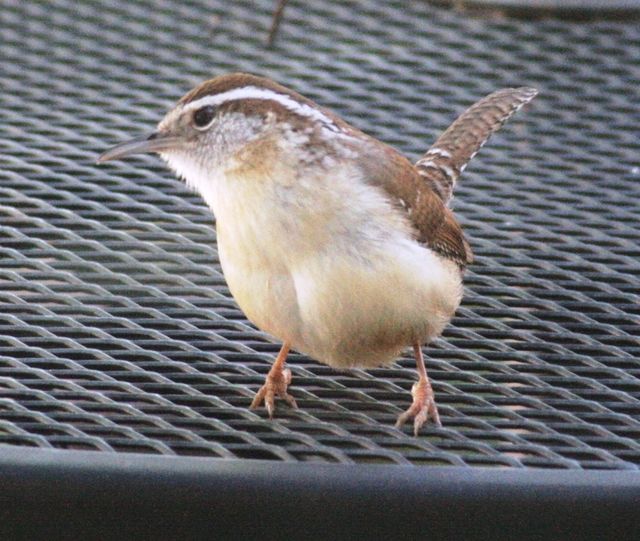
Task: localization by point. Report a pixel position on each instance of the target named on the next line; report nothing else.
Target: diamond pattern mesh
(117, 332)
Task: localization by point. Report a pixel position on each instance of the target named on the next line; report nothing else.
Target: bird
(330, 240)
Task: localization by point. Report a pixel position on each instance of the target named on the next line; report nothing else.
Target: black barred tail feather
(443, 163)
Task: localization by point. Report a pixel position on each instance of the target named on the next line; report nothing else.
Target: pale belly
(323, 260)
(342, 310)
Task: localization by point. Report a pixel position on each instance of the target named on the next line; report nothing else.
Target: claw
(422, 409)
(424, 406)
(276, 383)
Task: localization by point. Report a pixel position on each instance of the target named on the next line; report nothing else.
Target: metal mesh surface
(117, 332)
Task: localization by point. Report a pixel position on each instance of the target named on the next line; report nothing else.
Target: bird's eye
(203, 116)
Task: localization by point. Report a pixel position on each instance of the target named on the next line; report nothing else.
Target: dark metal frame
(92, 495)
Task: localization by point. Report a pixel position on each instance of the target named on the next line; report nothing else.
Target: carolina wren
(329, 239)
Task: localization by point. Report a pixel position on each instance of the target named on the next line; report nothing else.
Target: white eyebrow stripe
(257, 93)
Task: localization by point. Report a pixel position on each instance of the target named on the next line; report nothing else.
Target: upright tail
(443, 163)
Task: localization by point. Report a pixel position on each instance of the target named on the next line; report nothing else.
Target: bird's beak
(156, 142)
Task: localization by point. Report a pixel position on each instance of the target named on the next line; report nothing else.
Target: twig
(275, 23)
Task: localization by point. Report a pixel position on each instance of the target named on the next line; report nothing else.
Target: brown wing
(425, 189)
(433, 223)
(443, 163)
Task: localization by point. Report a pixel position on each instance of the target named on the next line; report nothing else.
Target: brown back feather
(434, 224)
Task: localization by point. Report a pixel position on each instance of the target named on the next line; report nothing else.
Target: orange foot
(423, 407)
(276, 384)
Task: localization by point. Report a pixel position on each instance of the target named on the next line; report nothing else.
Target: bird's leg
(275, 384)
(424, 402)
